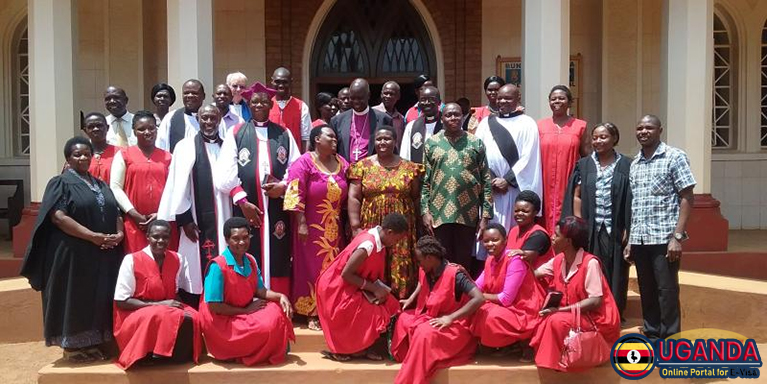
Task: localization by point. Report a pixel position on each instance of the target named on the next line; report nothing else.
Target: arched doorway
(375, 39)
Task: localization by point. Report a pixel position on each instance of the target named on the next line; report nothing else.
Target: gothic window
(20, 65)
(343, 53)
(403, 52)
(723, 127)
(763, 103)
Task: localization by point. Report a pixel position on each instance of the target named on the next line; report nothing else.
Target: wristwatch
(680, 237)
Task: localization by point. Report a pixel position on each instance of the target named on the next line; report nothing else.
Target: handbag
(583, 349)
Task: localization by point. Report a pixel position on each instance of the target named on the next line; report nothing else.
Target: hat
(257, 87)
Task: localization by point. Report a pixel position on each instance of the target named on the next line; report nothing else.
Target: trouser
(615, 269)
(659, 290)
(458, 240)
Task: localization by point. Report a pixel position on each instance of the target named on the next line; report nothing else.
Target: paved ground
(20, 362)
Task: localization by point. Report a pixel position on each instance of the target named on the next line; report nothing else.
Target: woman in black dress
(74, 255)
(600, 193)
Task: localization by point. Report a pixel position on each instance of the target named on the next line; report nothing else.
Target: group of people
(432, 232)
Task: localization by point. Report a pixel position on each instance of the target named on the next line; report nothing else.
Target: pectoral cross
(357, 152)
(208, 246)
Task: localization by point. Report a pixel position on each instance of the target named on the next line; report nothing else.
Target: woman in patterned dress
(316, 194)
(381, 184)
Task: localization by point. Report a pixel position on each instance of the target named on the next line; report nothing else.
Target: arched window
(763, 103)
(20, 84)
(724, 124)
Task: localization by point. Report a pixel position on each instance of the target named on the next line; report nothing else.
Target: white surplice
(226, 178)
(178, 197)
(524, 131)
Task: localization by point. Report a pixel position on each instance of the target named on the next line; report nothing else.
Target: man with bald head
(182, 122)
(191, 200)
(222, 98)
(120, 121)
(288, 111)
(421, 129)
(390, 94)
(357, 126)
(513, 155)
(662, 197)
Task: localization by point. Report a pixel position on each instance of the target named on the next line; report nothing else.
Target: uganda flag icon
(633, 356)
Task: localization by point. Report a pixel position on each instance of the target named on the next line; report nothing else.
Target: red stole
(144, 183)
(101, 165)
(153, 328)
(606, 317)
(350, 323)
(517, 240)
(288, 117)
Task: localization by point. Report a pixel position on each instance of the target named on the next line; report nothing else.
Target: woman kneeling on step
(353, 304)
(437, 333)
(242, 320)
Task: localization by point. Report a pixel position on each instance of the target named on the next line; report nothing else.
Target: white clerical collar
(365, 112)
(260, 123)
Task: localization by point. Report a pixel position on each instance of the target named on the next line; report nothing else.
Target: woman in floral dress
(316, 194)
(381, 184)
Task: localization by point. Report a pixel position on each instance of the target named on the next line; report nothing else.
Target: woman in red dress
(491, 87)
(528, 240)
(437, 333)
(149, 320)
(578, 275)
(241, 319)
(138, 178)
(563, 142)
(512, 297)
(353, 304)
(95, 127)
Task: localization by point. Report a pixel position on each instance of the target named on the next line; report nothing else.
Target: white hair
(235, 76)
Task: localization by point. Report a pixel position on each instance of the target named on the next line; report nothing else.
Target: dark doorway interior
(407, 93)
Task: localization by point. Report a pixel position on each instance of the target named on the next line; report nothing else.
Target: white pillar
(190, 43)
(687, 70)
(545, 52)
(51, 73)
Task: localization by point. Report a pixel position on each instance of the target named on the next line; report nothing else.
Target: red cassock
(548, 340)
(516, 240)
(423, 349)
(101, 164)
(153, 329)
(560, 150)
(256, 338)
(144, 182)
(350, 322)
(498, 326)
(289, 117)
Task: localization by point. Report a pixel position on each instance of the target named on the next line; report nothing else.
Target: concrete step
(21, 315)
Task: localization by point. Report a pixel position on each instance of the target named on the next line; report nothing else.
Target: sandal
(314, 324)
(96, 353)
(335, 356)
(78, 356)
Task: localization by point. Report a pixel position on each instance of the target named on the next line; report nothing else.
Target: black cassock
(76, 278)
(615, 268)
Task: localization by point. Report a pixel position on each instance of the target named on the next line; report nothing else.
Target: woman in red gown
(491, 86)
(437, 333)
(353, 304)
(95, 127)
(563, 142)
(578, 275)
(138, 178)
(149, 320)
(241, 319)
(528, 240)
(512, 297)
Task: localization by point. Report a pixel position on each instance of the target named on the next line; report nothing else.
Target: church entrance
(379, 40)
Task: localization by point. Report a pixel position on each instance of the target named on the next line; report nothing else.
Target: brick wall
(459, 23)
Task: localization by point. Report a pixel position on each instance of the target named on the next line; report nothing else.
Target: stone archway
(377, 40)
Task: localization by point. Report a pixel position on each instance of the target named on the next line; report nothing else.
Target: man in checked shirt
(661, 184)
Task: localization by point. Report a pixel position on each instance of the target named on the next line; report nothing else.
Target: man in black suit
(356, 127)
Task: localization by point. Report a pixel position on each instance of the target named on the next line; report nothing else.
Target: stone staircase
(708, 301)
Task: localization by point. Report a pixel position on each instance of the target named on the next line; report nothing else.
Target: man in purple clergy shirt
(356, 127)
